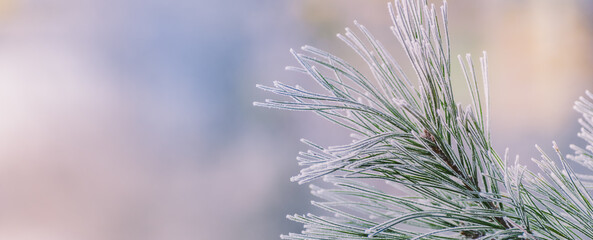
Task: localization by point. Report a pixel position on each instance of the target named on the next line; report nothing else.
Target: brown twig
(488, 204)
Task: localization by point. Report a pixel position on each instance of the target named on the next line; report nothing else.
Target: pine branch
(444, 180)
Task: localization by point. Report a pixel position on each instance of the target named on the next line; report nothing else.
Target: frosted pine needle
(447, 180)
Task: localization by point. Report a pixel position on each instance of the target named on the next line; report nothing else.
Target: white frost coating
(484, 64)
(405, 134)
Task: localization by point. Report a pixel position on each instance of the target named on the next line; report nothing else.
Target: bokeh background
(133, 119)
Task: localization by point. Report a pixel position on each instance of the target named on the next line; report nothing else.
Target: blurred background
(133, 119)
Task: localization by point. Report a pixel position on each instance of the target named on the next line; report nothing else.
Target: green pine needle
(443, 178)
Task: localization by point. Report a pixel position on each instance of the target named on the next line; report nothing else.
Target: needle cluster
(443, 178)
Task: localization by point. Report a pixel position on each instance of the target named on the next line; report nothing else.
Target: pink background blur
(133, 119)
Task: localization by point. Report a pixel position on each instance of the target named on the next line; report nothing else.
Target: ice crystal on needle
(436, 153)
